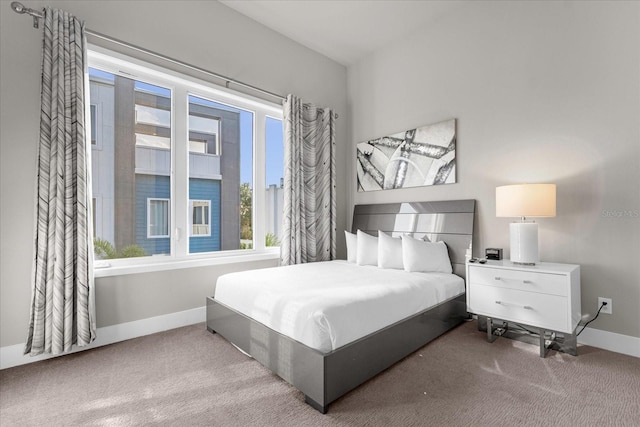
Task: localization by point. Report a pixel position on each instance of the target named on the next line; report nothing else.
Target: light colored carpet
(189, 377)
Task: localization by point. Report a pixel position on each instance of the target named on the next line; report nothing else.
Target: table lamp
(525, 200)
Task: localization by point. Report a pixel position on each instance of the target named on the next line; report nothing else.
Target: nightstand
(545, 296)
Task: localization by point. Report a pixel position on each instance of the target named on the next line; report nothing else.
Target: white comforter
(326, 305)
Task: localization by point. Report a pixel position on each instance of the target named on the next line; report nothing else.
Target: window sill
(176, 264)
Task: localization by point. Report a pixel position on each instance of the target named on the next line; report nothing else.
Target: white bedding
(326, 305)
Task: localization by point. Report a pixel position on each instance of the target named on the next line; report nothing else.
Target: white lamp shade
(526, 200)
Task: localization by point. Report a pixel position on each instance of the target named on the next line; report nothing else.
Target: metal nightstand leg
(493, 334)
(567, 343)
(543, 347)
(490, 336)
(570, 344)
(544, 338)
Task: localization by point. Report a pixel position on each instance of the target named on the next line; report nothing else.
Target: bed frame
(324, 377)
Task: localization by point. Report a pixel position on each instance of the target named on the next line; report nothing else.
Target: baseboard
(605, 340)
(611, 341)
(12, 355)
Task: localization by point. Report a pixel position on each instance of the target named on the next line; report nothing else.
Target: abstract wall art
(414, 158)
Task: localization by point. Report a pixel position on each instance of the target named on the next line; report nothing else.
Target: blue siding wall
(206, 189)
(150, 186)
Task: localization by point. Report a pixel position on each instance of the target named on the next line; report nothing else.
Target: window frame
(182, 85)
(191, 223)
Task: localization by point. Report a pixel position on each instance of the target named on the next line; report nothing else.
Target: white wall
(203, 33)
(543, 92)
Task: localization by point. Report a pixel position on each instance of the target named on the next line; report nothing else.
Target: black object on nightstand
(493, 253)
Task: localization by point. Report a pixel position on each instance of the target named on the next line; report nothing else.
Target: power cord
(585, 325)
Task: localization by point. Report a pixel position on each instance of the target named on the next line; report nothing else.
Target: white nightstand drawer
(533, 281)
(529, 308)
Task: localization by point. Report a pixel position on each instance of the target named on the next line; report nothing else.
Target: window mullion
(180, 172)
(259, 144)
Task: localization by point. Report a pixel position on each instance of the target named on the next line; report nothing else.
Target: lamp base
(524, 243)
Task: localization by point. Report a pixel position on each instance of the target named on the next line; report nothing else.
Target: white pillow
(389, 251)
(418, 255)
(367, 252)
(352, 246)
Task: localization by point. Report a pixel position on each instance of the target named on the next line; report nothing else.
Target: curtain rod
(21, 9)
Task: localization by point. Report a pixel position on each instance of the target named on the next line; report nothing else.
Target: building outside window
(175, 171)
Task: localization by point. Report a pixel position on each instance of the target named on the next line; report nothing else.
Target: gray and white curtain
(62, 302)
(309, 225)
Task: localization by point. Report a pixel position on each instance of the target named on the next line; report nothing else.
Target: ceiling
(343, 30)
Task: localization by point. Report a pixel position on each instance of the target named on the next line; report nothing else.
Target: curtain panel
(62, 309)
(309, 224)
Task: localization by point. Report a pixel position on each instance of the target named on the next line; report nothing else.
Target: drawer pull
(527, 282)
(526, 307)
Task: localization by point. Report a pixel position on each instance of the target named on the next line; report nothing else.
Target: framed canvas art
(413, 158)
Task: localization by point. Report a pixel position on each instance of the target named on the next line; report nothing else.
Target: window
(94, 124)
(179, 163)
(200, 217)
(158, 218)
(203, 128)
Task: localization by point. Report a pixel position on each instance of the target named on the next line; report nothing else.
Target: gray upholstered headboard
(450, 221)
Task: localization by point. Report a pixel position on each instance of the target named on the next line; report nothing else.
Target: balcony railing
(157, 161)
(205, 166)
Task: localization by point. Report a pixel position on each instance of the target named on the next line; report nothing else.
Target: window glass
(131, 173)
(274, 181)
(246, 181)
(213, 160)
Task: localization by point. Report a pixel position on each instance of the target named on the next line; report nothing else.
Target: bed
(325, 367)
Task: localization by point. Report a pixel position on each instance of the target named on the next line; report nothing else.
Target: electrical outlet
(607, 309)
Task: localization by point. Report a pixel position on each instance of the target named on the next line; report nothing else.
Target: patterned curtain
(309, 229)
(62, 302)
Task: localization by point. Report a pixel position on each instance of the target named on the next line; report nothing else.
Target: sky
(275, 151)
